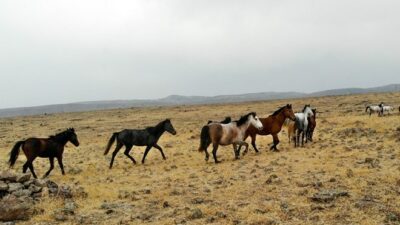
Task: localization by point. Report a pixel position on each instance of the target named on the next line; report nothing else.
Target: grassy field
(351, 152)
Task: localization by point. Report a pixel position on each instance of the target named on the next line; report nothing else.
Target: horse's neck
(158, 131)
(280, 118)
(59, 140)
(243, 128)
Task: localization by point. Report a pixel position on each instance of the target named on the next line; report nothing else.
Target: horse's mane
(62, 135)
(304, 109)
(244, 119)
(158, 127)
(225, 121)
(278, 111)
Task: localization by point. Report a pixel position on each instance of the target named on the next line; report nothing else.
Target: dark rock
(23, 177)
(3, 186)
(12, 208)
(197, 201)
(52, 186)
(166, 204)
(196, 214)
(8, 176)
(65, 192)
(35, 189)
(15, 187)
(327, 196)
(42, 183)
(23, 193)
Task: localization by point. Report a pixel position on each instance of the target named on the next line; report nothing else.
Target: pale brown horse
(272, 125)
(227, 134)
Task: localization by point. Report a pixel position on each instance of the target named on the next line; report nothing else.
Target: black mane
(227, 120)
(278, 111)
(304, 109)
(62, 136)
(159, 127)
(245, 118)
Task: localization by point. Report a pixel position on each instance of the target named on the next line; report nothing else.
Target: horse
(272, 125)
(374, 109)
(387, 109)
(52, 147)
(227, 134)
(146, 137)
(301, 124)
(227, 120)
(312, 124)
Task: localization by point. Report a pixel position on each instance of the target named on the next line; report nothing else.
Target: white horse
(374, 109)
(301, 124)
(387, 109)
(232, 133)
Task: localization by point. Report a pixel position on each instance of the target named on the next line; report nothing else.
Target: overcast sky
(60, 51)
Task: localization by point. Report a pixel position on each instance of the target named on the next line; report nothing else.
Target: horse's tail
(14, 153)
(205, 140)
(111, 142)
(366, 109)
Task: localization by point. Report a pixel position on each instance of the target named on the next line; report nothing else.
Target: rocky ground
(350, 174)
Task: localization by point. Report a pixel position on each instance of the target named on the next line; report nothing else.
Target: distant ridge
(174, 100)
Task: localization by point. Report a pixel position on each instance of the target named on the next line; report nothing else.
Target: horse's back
(134, 137)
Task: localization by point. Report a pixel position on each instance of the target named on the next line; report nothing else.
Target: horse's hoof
(217, 161)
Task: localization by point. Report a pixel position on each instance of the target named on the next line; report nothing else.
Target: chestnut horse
(227, 134)
(271, 125)
(312, 123)
(52, 147)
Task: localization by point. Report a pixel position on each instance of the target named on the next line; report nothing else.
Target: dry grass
(233, 192)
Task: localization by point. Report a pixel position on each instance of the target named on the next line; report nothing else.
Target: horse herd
(380, 109)
(300, 127)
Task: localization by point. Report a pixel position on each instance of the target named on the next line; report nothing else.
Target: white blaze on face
(257, 123)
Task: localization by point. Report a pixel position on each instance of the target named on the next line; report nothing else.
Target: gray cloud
(67, 51)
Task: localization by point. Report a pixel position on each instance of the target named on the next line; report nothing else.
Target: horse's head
(288, 112)
(314, 112)
(72, 137)
(255, 121)
(168, 127)
(308, 111)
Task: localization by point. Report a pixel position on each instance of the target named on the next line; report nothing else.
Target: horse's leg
(243, 143)
(253, 142)
(236, 150)
(214, 152)
(276, 142)
(51, 159)
(302, 139)
(25, 167)
(30, 165)
(117, 148)
(207, 155)
(127, 150)
(145, 153)
(60, 163)
(161, 150)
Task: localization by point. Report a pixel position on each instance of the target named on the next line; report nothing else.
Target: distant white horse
(301, 124)
(387, 109)
(373, 109)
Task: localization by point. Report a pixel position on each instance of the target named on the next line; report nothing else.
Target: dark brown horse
(312, 123)
(272, 125)
(52, 147)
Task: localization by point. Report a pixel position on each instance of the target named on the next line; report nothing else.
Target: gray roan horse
(146, 137)
(301, 124)
(227, 134)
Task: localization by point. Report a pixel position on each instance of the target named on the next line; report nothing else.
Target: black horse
(52, 147)
(146, 137)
